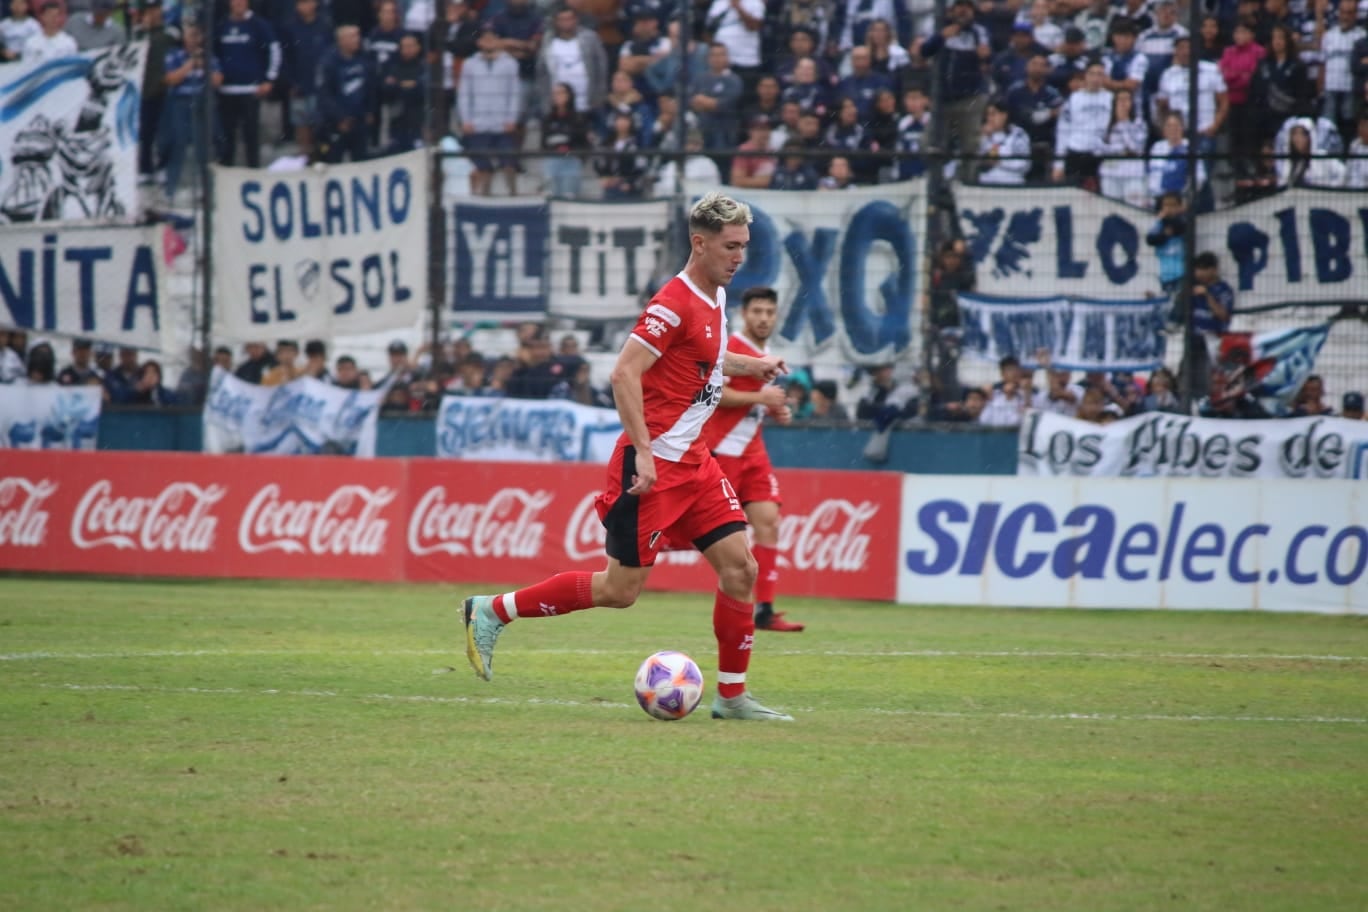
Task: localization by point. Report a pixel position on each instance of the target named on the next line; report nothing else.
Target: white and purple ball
(669, 685)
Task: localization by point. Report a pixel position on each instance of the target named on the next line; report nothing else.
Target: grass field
(323, 746)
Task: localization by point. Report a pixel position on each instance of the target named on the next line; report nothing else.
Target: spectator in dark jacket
(249, 57)
(307, 38)
(964, 48)
(346, 98)
(404, 89)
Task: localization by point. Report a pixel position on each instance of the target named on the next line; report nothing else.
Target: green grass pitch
(173, 745)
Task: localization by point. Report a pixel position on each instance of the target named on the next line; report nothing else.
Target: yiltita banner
(498, 265)
(603, 257)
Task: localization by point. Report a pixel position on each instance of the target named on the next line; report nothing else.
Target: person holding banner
(662, 480)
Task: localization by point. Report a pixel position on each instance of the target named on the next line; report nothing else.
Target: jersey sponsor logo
(655, 327)
(664, 313)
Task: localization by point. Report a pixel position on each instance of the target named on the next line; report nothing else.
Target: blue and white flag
(525, 430)
(69, 136)
(1272, 365)
(49, 417)
(1079, 334)
(304, 416)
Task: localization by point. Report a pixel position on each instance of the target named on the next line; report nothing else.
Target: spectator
(401, 369)
(802, 45)
(121, 382)
(809, 131)
(754, 171)
(520, 27)
(398, 402)
(564, 131)
(1239, 62)
(193, 385)
(881, 135)
(698, 168)
(470, 376)
(573, 55)
(1009, 65)
(621, 167)
(286, 366)
(623, 96)
(487, 98)
(1095, 22)
(863, 84)
(839, 175)
(42, 365)
(1210, 42)
(1069, 61)
(1092, 406)
(811, 93)
(1356, 171)
(1166, 237)
(1159, 396)
(1084, 122)
(307, 37)
(1213, 105)
(403, 86)
(1004, 148)
(952, 272)
(767, 104)
(181, 130)
(888, 401)
(1010, 396)
(963, 86)
(1034, 105)
(1224, 400)
(17, 29)
(1122, 173)
(381, 44)
(1280, 88)
(316, 361)
(811, 17)
(645, 47)
(1336, 81)
(912, 133)
(825, 405)
(81, 371)
(1059, 395)
(577, 386)
(1351, 406)
(968, 409)
(1126, 66)
(254, 368)
(663, 134)
(347, 376)
(1156, 43)
(149, 389)
(1324, 134)
(223, 358)
(347, 94)
(152, 30)
(95, 29)
(715, 96)
(249, 55)
(538, 373)
(736, 25)
(1305, 166)
(852, 19)
(1310, 401)
(846, 134)
(12, 360)
(797, 396)
(886, 55)
(1168, 161)
(51, 42)
(794, 171)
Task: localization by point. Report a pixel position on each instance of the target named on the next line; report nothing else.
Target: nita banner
(69, 136)
(603, 257)
(845, 266)
(1079, 334)
(49, 417)
(525, 430)
(1299, 245)
(105, 283)
(300, 417)
(321, 252)
(1161, 444)
(498, 267)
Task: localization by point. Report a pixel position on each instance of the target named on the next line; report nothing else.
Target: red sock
(767, 576)
(734, 626)
(557, 595)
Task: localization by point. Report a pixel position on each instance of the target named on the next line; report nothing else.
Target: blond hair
(716, 210)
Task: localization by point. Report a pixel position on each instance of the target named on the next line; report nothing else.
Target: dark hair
(826, 388)
(758, 293)
(1009, 361)
(290, 342)
(315, 347)
(346, 359)
(1206, 260)
(223, 350)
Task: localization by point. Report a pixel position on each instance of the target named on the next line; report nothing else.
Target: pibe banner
(1079, 334)
(324, 251)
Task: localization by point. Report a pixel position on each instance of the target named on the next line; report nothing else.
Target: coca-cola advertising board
(500, 521)
(180, 514)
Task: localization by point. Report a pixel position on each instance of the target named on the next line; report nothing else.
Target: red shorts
(752, 476)
(688, 503)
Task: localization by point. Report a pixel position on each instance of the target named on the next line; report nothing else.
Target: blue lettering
(1171, 539)
(1009, 535)
(338, 270)
(1118, 232)
(282, 212)
(946, 548)
(867, 331)
(142, 288)
(1287, 230)
(1086, 554)
(1248, 247)
(281, 313)
(334, 208)
(1293, 573)
(308, 229)
(1129, 547)
(50, 279)
(1067, 267)
(809, 304)
(399, 196)
(1095, 337)
(1196, 549)
(86, 258)
(401, 292)
(250, 190)
(256, 293)
(980, 538)
(1237, 572)
(1330, 243)
(1359, 535)
(19, 303)
(367, 199)
(373, 281)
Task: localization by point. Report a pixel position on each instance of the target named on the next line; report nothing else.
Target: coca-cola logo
(506, 525)
(347, 522)
(23, 521)
(584, 533)
(177, 519)
(828, 538)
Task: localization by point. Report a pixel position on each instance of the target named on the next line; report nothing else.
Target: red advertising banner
(296, 517)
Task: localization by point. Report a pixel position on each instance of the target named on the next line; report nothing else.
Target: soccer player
(663, 483)
(733, 435)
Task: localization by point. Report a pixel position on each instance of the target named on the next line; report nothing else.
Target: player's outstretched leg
(482, 629)
(487, 615)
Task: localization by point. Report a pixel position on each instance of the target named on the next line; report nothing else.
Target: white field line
(1027, 654)
(604, 704)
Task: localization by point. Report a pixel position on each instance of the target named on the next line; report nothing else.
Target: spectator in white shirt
(1337, 67)
(1212, 104)
(1123, 172)
(1304, 165)
(16, 30)
(1356, 174)
(738, 24)
(51, 43)
(1004, 147)
(1059, 396)
(1083, 124)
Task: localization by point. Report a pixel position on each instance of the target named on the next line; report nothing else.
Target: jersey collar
(714, 304)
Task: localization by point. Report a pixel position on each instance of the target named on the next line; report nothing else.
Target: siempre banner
(300, 417)
(1299, 245)
(1080, 335)
(603, 257)
(49, 417)
(105, 283)
(1177, 445)
(525, 430)
(498, 270)
(1134, 543)
(845, 266)
(69, 136)
(325, 251)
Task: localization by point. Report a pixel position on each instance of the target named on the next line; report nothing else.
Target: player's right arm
(768, 396)
(634, 360)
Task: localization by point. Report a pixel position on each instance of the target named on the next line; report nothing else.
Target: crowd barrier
(1279, 545)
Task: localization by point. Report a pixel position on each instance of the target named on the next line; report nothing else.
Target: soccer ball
(669, 685)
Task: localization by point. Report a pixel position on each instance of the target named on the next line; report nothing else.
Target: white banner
(69, 136)
(603, 256)
(106, 283)
(321, 252)
(1178, 445)
(525, 430)
(1080, 335)
(845, 266)
(304, 416)
(1296, 246)
(49, 417)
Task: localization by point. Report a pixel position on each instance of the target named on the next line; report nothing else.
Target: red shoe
(777, 623)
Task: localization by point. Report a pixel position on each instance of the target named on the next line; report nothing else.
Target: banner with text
(1163, 444)
(105, 283)
(603, 257)
(525, 430)
(49, 417)
(321, 252)
(69, 136)
(1295, 246)
(1134, 543)
(498, 266)
(1079, 334)
(300, 417)
(845, 266)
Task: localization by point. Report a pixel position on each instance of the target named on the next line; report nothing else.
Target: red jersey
(735, 430)
(685, 331)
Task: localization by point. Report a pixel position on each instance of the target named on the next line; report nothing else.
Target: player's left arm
(767, 368)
